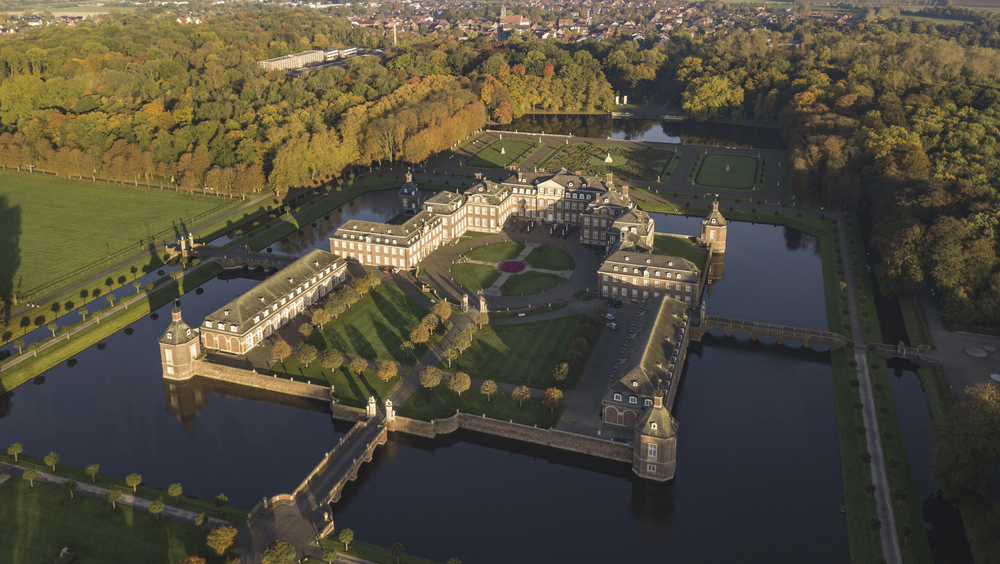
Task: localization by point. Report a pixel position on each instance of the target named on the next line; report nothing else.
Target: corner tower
(179, 347)
(713, 229)
(654, 450)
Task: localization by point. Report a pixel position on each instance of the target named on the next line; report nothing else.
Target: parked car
(395, 270)
(609, 317)
(613, 326)
(611, 302)
(618, 303)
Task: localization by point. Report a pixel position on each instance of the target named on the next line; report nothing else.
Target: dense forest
(897, 119)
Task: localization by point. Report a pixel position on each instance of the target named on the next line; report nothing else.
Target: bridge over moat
(781, 333)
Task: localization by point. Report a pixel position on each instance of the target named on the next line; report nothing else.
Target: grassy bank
(190, 503)
(440, 402)
(369, 552)
(64, 349)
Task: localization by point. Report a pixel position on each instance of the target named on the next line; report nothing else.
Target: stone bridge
(913, 354)
(234, 257)
(781, 333)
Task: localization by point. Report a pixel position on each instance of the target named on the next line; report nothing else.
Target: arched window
(618, 397)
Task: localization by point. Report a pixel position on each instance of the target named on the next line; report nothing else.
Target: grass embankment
(474, 277)
(349, 388)
(682, 247)
(497, 252)
(375, 327)
(369, 552)
(56, 230)
(207, 506)
(441, 402)
(538, 347)
(114, 322)
(547, 257)
(37, 523)
(530, 283)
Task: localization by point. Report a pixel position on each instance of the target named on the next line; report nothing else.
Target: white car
(609, 317)
(613, 326)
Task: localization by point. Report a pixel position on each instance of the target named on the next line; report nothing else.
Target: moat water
(758, 456)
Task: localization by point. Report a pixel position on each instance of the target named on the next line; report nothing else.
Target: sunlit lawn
(712, 172)
(530, 283)
(525, 353)
(491, 157)
(474, 277)
(496, 252)
(348, 388)
(36, 523)
(375, 327)
(441, 402)
(548, 257)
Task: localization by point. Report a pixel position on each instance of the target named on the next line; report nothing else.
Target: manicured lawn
(474, 277)
(347, 386)
(538, 346)
(36, 523)
(530, 283)
(628, 163)
(369, 552)
(374, 328)
(713, 174)
(680, 247)
(496, 252)
(441, 402)
(490, 157)
(548, 257)
(51, 228)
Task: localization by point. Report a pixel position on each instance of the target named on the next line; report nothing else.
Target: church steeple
(503, 10)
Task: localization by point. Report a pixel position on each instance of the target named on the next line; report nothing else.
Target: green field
(538, 346)
(369, 552)
(490, 157)
(441, 402)
(497, 252)
(52, 228)
(375, 327)
(36, 523)
(547, 257)
(680, 247)
(474, 277)
(628, 163)
(712, 173)
(530, 283)
(347, 386)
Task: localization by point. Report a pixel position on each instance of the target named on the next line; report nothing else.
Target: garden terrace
(514, 151)
(628, 163)
(712, 173)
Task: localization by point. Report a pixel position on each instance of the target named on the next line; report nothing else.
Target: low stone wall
(254, 380)
(347, 413)
(546, 437)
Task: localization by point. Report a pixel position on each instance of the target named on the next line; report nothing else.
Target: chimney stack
(658, 399)
(610, 180)
(520, 176)
(625, 190)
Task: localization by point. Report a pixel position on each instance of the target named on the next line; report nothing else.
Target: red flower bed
(512, 266)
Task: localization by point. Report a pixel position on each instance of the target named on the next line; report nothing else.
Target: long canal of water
(758, 476)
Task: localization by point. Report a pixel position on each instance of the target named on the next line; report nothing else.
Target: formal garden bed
(547, 257)
(530, 283)
(474, 277)
(497, 252)
(627, 163)
(727, 171)
(502, 153)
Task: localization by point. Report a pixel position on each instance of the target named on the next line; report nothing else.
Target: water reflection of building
(716, 270)
(184, 401)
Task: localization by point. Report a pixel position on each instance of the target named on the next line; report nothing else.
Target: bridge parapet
(780, 333)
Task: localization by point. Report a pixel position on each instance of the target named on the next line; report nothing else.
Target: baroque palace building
(605, 215)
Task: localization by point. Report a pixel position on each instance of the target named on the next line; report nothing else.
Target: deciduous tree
(307, 354)
(346, 536)
(552, 399)
(430, 377)
(280, 350)
(488, 388)
(220, 501)
(279, 552)
(70, 485)
(112, 497)
(333, 359)
(520, 394)
(561, 372)
(51, 459)
(30, 474)
(175, 490)
(481, 318)
(15, 449)
(221, 538)
(459, 383)
(419, 334)
(359, 365)
(91, 470)
(133, 480)
(155, 508)
(387, 369)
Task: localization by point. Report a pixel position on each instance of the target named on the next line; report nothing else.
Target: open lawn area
(51, 228)
(548, 257)
(474, 277)
(490, 156)
(680, 247)
(538, 346)
(628, 163)
(496, 252)
(441, 402)
(530, 283)
(347, 386)
(36, 523)
(712, 173)
(375, 327)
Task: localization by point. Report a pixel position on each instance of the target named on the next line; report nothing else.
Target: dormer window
(633, 400)
(657, 272)
(713, 221)
(256, 319)
(647, 261)
(289, 280)
(670, 263)
(188, 332)
(626, 259)
(226, 312)
(169, 336)
(315, 263)
(651, 425)
(616, 269)
(570, 184)
(618, 397)
(635, 383)
(208, 324)
(222, 326)
(648, 403)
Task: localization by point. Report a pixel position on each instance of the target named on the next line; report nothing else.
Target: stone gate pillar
(370, 408)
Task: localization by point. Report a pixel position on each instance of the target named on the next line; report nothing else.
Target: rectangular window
(645, 294)
(687, 287)
(605, 288)
(652, 452)
(170, 370)
(604, 235)
(635, 293)
(605, 277)
(168, 354)
(604, 223)
(586, 221)
(586, 233)
(656, 283)
(651, 468)
(614, 290)
(656, 294)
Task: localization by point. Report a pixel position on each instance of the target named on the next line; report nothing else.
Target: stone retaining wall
(546, 437)
(254, 380)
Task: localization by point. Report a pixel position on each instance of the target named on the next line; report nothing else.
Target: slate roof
(638, 260)
(665, 424)
(244, 308)
(653, 365)
(178, 332)
(714, 214)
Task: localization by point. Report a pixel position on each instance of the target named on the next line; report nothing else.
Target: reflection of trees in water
(6, 404)
(947, 539)
(796, 240)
